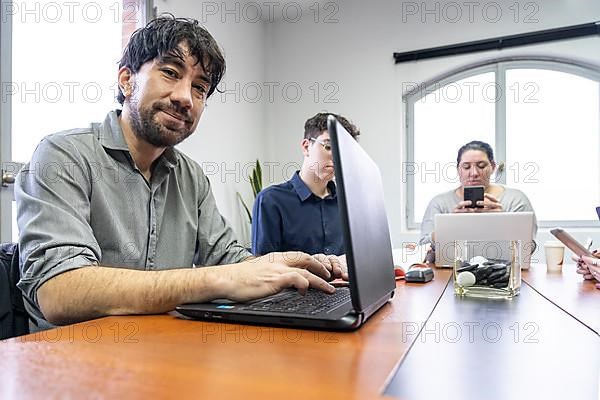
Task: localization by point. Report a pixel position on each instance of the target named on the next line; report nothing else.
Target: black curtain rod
(504, 42)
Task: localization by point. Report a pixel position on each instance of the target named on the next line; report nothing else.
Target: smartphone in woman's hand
(474, 194)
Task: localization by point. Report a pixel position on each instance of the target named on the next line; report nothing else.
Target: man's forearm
(93, 292)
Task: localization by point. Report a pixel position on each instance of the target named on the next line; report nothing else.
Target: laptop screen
(362, 211)
(485, 227)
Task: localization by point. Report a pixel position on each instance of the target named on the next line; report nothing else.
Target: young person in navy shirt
(302, 213)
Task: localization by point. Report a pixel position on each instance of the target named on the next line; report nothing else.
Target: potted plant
(256, 183)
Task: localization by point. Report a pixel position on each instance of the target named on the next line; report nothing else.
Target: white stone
(477, 260)
(465, 279)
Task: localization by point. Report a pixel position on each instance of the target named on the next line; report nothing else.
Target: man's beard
(146, 128)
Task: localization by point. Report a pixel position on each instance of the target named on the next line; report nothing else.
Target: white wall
(349, 58)
(356, 54)
(230, 135)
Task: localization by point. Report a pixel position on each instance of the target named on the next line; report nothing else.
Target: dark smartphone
(475, 194)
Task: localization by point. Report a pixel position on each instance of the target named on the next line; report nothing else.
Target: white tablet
(570, 242)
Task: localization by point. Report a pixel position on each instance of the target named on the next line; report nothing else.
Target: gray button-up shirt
(82, 201)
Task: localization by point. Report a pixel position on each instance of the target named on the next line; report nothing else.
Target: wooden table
(165, 356)
(568, 290)
(522, 348)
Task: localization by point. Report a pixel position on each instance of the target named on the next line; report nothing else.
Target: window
(552, 142)
(64, 65)
(540, 116)
(59, 71)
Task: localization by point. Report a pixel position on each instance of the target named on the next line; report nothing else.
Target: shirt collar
(332, 189)
(111, 137)
(110, 133)
(304, 192)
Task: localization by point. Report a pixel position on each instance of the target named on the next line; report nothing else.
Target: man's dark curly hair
(315, 126)
(162, 36)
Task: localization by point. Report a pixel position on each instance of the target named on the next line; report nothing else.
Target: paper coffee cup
(555, 253)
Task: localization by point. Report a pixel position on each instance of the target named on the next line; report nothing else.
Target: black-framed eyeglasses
(326, 145)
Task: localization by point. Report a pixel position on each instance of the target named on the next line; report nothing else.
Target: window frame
(499, 66)
(6, 196)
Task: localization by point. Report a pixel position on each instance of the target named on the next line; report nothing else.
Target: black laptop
(368, 255)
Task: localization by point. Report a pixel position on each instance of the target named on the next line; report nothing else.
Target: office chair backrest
(14, 320)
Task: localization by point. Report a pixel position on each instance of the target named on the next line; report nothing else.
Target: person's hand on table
(344, 266)
(595, 271)
(336, 266)
(274, 272)
(582, 267)
(589, 267)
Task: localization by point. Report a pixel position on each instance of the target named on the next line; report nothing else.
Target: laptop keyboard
(314, 302)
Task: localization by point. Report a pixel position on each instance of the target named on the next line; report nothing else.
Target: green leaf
(259, 175)
(255, 182)
(245, 207)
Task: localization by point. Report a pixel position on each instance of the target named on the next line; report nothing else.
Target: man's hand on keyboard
(335, 265)
(273, 272)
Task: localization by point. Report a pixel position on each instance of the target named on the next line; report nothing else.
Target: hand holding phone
(593, 267)
(474, 194)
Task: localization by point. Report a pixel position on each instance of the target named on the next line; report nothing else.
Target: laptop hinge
(370, 310)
